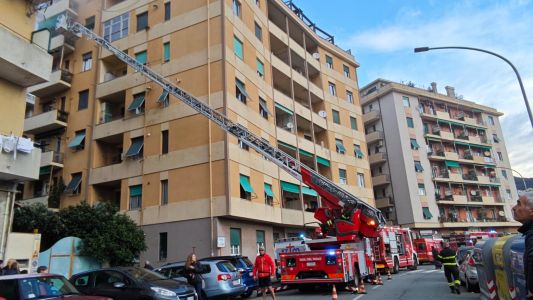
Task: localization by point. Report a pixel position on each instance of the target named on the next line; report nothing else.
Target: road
(424, 283)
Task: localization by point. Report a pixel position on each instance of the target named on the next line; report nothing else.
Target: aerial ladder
(342, 214)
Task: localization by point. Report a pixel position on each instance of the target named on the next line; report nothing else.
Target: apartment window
(141, 57)
(346, 71)
(142, 21)
(74, 186)
(421, 189)
(357, 151)
(342, 176)
(414, 144)
(258, 32)
(240, 91)
(418, 166)
(78, 142)
(164, 192)
(166, 52)
(329, 62)
(87, 61)
(260, 239)
(89, 23)
(244, 146)
(117, 28)
(491, 120)
(237, 48)
(336, 117)
(83, 99)
(137, 105)
(236, 8)
(167, 11)
(235, 241)
(269, 195)
(164, 142)
(349, 97)
(426, 213)
(504, 174)
(500, 156)
(353, 123)
(332, 89)
(406, 102)
(509, 195)
(136, 194)
(163, 236)
(410, 123)
(263, 109)
(361, 180)
(245, 187)
(260, 68)
(136, 147)
(495, 138)
(340, 146)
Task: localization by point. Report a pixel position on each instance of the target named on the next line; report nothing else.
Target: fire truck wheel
(396, 267)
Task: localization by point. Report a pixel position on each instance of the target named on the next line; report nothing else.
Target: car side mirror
(241, 270)
(119, 284)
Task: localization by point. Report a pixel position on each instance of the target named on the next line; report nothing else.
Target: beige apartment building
(112, 135)
(22, 64)
(438, 162)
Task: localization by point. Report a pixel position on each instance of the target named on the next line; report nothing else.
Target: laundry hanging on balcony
(11, 143)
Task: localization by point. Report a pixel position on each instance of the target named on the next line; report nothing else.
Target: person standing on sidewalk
(193, 273)
(264, 269)
(523, 213)
(447, 257)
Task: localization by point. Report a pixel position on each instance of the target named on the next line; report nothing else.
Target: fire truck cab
(394, 249)
(424, 246)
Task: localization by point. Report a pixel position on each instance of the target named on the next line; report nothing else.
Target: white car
(467, 268)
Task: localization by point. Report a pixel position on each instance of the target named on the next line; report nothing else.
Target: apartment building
(22, 64)
(115, 136)
(438, 162)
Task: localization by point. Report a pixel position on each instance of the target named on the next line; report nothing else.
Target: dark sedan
(131, 283)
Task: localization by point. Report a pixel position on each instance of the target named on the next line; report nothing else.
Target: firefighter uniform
(447, 257)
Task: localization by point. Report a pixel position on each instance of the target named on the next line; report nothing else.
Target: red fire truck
(424, 246)
(394, 249)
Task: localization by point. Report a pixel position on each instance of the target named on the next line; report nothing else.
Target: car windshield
(46, 287)
(144, 274)
(249, 264)
(226, 266)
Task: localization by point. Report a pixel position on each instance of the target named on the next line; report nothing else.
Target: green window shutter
(283, 108)
(260, 68)
(260, 236)
(353, 122)
(45, 170)
(280, 143)
(74, 183)
(136, 190)
(336, 117)
(414, 144)
(305, 153)
(163, 98)
(358, 152)
(410, 123)
(427, 213)
(137, 102)
(77, 140)
(241, 88)
(268, 190)
(452, 164)
(166, 51)
(309, 191)
(340, 147)
(136, 146)
(141, 57)
(323, 161)
(290, 187)
(418, 167)
(235, 236)
(245, 183)
(237, 48)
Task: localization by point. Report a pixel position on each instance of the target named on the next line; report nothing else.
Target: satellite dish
(473, 193)
(501, 213)
(322, 113)
(290, 125)
(316, 55)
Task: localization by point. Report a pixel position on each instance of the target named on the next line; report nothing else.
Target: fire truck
(394, 249)
(424, 246)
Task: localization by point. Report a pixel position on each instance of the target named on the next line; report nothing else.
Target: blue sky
(382, 35)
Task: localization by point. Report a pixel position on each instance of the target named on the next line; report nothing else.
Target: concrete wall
(13, 101)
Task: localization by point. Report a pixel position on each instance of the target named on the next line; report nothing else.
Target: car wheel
(396, 267)
(247, 294)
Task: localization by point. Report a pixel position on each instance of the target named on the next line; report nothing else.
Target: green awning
(141, 57)
(136, 146)
(268, 190)
(137, 102)
(452, 164)
(241, 88)
(414, 144)
(476, 110)
(434, 140)
(309, 191)
(74, 183)
(136, 190)
(427, 213)
(77, 140)
(481, 147)
(45, 170)
(462, 144)
(280, 143)
(443, 121)
(458, 124)
(164, 97)
(290, 187)
(305, 153)
(340, 147)
(323, 161)
(245, 183)
(263, 105)
(358, 153)
(50, 22)
(418, 167)
(283, 108)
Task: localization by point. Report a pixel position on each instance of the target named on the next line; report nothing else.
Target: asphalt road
(424, 283)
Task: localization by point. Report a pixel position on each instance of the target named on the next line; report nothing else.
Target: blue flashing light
(331, 252)
(493, 231)
(302, 235)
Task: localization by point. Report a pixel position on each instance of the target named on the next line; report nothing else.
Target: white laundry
(25, 145)
(9, 143)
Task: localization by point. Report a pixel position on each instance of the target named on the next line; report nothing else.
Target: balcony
(47, 121)
(443, 115)
(24, 167)
(471, 176)
(59, 81)
(52, 158)
(456, 177)
(483, 160)
(27, 65)
(371, 116)
(60, 41)
(381, 180)
(458, 199)
(374, 136)
(443, 174)
(377, 158)
(37, 199)
(126, 169)
(447, 135)
(384, 202)
(451, 155)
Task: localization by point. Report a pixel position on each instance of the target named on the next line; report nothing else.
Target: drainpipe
(209, 132)
(225, 107)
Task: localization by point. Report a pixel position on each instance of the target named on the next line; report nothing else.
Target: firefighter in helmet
(447, 258)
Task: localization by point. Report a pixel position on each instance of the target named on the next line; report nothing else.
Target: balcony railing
(470, 176)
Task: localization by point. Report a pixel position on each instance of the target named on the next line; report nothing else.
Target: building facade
(439, 163)
(190, 186)
(22, 64)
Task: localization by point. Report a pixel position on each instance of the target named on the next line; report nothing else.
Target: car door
(106, 281)
(84, 283)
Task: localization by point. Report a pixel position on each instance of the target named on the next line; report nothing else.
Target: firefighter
(447, 257)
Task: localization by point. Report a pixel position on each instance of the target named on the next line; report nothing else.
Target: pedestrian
(451, 271)
(193, 271)
(523, 213)
(11, 268)
(42, 269)
(435, 254)
(264, 269)
(148, 266)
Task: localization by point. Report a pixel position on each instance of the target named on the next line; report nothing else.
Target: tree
(39, 217)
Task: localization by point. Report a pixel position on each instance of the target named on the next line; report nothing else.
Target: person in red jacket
(264, 268)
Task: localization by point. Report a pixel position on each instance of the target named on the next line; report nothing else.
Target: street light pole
(424, 49)
(522, 177)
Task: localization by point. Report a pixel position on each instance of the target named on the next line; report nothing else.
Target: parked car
(221, 278)
(245, 267)
(130, 283)
(467, 268)
(40, 286)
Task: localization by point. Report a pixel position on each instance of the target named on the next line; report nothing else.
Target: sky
(382, 35)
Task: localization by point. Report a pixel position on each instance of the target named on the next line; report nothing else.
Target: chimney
(434, 87)
(450, 91)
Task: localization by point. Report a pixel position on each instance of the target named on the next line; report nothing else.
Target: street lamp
(522, 177)
(424, 49)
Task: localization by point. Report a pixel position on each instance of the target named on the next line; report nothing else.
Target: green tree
(39, 217)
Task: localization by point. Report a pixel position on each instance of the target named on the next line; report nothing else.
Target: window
(509, 195)
(329, 62)
(346, 71)
(336, 117)
(83, 99)
(164, 192)
(406, 102)
(163, 246)
(117, 28)
(495, 138)
(87, 61)
(269, 195)
(237, 48)
(418, 166)
(332, 89)
(421, 189)
(410, 123)
(137, 105)
(136, 147)
(357, 151)
(142, 21)
(89, 23)
(246, 188)
(342, 176)
(414, 144)
(361, 180)
(260, 68)
(167, 11)
(240, 91)
(263, 109)
(349, 97)
(260, 239)
(136, 194)
(353, 123)
(141, 57)
(166, 52)
(258, 32)
(340, 146)
(74, 186)
(78, 142)
(235, 241)
(504, 174)
(500, 156)
(491, 120)
(164, 142)
(243, 145)
(426, 213)
(236, 8)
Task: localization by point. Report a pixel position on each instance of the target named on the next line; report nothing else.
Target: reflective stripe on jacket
(447, 257)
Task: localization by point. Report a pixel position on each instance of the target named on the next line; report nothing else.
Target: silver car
(221, 278)
(467, 268)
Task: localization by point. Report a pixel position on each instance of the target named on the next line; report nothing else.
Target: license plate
(251, 274)
(311, 264)
(380, 266)
(236, 282)
(190, 298)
